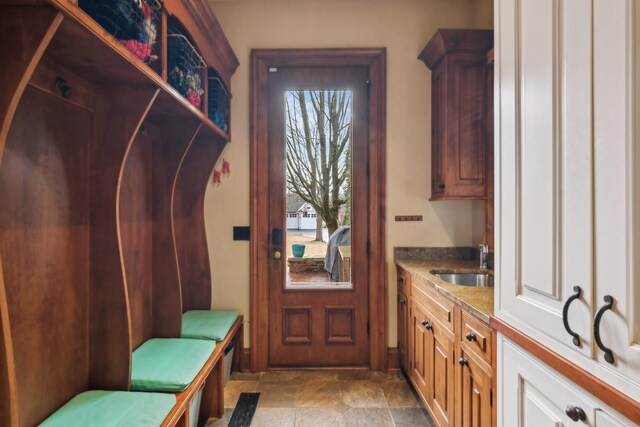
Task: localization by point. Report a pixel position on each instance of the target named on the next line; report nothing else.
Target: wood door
(441, 374)
(403, 329)
(474, 395)
(419, 349)
(544, 195)
(326, 323)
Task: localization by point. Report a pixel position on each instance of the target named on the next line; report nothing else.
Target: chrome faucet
(484, 256)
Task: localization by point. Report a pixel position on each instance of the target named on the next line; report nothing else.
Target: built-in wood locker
(102, 162)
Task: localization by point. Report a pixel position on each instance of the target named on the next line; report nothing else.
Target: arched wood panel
(145, 223)
(44, 229)
(188, 220)
(120, 110)
(20, 53)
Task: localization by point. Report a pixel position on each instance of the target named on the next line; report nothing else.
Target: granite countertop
(477, 301)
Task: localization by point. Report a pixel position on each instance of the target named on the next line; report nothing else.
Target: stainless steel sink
(480, 280)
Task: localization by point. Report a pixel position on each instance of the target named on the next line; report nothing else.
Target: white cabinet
(534, 395)
(567, 185)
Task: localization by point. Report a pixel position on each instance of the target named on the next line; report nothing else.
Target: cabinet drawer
(438, 305)
(475, 336)
(403, 281)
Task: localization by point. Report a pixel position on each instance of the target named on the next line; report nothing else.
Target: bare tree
(318, 137)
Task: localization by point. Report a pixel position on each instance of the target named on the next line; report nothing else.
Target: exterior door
(318, 291)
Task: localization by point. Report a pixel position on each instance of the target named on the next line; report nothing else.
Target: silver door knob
(277, 255)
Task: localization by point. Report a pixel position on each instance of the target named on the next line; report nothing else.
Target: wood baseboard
(393, 363)
(392, 360)
(598, 388)
(246, 360)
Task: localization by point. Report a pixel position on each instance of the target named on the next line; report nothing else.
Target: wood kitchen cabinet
(568, 194)
(460, 88)
(403, 330)
(441, 380)
(449, 356)
(419, 342)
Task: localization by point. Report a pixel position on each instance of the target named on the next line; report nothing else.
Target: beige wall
(403, 27)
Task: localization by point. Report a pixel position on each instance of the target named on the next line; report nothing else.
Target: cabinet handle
(403, 302)
(463, 362)
(576, 413)
(608, 354)
(471, 337)
(565, 314)
(441, 186)
(428, 326)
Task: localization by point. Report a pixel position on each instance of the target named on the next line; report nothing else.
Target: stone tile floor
(326, 398)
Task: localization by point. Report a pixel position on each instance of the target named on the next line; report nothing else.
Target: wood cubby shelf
(103, 171)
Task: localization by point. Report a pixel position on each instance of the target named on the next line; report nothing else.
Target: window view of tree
(318, 165)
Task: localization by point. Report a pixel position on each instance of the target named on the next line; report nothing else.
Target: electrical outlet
(404, 218)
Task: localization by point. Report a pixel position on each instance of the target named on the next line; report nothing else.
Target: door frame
(375, 61)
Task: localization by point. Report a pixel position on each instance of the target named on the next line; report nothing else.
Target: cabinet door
(617, 191)
(438, 123)
(441, 378)
(544, 168)
(403, 330)
(474, 396)
(465, 138)
(419, 350)
(531, 394)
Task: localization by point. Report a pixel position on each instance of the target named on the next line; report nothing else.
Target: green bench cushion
(168, 364)
(113, 409)
(207, 324)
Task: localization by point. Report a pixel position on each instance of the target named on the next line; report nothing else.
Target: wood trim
(393, 361)
(593, 385)
(375, 60)
(245, 364)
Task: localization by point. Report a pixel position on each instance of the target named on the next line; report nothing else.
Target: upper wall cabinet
(567, 191)
(459, 94)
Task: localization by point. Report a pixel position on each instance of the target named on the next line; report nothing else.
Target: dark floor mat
(245, 410)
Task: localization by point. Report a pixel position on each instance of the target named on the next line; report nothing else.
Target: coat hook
(63, 86)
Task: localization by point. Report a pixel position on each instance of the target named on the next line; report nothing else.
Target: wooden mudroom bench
(105, 159)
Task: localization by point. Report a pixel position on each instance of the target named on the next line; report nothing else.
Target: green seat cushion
(207, 324)
(113, 409)
(168, 364)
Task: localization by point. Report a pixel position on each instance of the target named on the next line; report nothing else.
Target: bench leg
(213, 393)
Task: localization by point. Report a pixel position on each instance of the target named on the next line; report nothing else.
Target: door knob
(576, 413)
(463, 362)
(277, 255)
(471, 337)
(427, 325)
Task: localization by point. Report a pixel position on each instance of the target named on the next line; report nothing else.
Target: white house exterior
(304, 218)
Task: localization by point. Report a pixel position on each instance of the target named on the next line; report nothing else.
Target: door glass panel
(318, 133)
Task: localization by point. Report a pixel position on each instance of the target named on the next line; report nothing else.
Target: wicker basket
(135, 23)
(185, 67)
(218, 103)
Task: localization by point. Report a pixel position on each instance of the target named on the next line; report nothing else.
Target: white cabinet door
(568, 178)
(616, 192)
(533, 395)
(544, 165)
